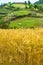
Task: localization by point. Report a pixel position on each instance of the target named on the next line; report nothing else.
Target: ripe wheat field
(21, 46)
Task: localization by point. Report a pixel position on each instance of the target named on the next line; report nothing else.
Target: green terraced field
(26, 22)
(19, 5)
(15, 16)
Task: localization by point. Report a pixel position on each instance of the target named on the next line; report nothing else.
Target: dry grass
(21, 47)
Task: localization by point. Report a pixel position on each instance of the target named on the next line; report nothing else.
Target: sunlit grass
(19, 5)
(27, 22)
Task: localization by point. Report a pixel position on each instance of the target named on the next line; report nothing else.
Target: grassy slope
(27, 22)
(22, 12)
(21, 47)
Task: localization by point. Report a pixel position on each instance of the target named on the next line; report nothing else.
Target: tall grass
(21, 47)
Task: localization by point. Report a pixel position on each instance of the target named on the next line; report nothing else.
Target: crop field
(19, 5)
(15, 15)
(27, 22)
(21, 46)
(21, 33)
(22, 12)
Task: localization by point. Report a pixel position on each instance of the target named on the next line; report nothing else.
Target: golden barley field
(21, 46)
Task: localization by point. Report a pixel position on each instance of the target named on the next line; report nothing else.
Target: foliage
(39, 2)
(39, 7)
(35, 6)
(25, 4)
(9, 4)
(29, 2)
(4, 25)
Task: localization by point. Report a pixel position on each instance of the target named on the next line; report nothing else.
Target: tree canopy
(39, 2)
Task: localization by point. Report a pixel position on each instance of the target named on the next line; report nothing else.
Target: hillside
(15, 15)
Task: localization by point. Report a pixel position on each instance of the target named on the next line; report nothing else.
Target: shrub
(4, 25)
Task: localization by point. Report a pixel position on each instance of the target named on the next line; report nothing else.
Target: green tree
(25, 4)
(39, 2)
(35, 6)
(29, 2)
(9, 4)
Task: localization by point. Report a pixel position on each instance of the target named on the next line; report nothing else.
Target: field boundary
(19, 17)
